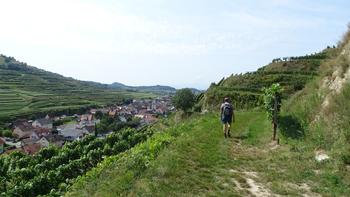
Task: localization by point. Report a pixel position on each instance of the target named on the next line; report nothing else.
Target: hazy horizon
(176, 43)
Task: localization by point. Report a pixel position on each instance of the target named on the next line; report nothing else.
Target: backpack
(227, 110)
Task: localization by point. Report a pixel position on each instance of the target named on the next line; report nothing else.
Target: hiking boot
(225, 135)
(229, 134)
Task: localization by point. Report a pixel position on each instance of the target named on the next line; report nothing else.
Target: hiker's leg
(225, 129)
(229, 129)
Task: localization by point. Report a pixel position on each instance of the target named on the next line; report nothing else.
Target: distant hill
(246, 89)
(157, 89)
(25, 90)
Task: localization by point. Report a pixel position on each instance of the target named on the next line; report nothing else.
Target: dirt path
(256, 167)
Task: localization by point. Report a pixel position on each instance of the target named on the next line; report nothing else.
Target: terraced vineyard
(25, 90)
(245, 89)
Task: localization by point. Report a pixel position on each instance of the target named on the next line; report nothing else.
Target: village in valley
(29, 136)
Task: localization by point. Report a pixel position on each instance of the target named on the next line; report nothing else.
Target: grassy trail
(201, 162)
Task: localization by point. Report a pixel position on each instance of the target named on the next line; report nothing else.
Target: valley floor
(199, 161)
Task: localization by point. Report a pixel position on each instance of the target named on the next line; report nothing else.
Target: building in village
(22, 129)
(43, 123)
(2, 145)
(57, 140)
(43, 142)
(31, 149)
(112, 113)
(40, 132)
(72, 132)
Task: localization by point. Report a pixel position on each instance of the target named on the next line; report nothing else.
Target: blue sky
(182, 43)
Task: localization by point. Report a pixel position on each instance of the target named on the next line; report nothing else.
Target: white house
(43, 123)
(43, 142)
(70, 132)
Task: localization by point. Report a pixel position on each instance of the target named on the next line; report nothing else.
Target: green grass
(200, 162)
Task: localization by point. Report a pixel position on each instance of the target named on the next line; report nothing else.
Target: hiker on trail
(227, 116)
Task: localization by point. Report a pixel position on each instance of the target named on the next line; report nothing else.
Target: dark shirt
(223, 105)
(226, 119)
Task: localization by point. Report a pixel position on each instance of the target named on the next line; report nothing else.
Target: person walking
(227, 116)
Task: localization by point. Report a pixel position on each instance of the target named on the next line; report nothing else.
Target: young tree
(184, 99)
(272, 104)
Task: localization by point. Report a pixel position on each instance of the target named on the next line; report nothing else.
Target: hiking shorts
(226, 119)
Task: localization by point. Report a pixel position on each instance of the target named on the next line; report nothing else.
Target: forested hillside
(26, 90)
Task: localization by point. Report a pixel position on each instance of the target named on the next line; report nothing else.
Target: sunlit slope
(25, 89)
(245, 89)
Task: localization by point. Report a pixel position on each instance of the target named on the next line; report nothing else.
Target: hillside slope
(245, 89)
(198, 161)
(25, 90)
(322, 110)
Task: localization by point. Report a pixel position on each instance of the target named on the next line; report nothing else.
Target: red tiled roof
(25, 135)
(32, 148)
(26, 128)
(42, 131)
